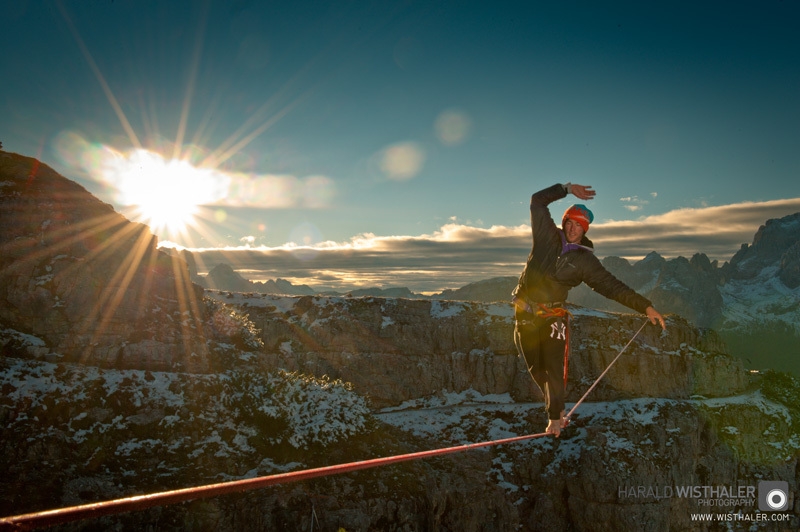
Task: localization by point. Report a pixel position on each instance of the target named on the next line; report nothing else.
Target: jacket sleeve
(540, 200)
(545, 231)
(604, 283)
(534, 282)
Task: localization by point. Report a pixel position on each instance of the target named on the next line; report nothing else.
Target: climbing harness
(141, 502)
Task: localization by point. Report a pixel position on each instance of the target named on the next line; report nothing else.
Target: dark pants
(541, 342)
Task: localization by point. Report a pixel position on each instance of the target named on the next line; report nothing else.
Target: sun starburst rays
(164, 184)
(177, 188)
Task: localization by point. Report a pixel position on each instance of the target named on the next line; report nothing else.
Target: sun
(164, 194)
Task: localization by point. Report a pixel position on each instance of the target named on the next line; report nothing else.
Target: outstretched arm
(604, 283)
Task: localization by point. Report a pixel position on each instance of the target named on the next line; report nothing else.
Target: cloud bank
(456, 254)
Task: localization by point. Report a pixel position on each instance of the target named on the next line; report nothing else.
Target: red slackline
(141, 502)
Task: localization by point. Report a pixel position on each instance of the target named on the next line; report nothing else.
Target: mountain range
(753, 299)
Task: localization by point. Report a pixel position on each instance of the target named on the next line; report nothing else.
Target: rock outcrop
(87, 281)
(770, 244)
(789, 271)
(396, 349)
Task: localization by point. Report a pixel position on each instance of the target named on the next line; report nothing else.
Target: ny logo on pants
(558, 330)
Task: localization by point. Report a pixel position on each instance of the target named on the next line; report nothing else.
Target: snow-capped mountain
(753, 300)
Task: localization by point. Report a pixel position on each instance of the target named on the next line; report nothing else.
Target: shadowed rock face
(86, 280)
(770, 244)
(789, 272)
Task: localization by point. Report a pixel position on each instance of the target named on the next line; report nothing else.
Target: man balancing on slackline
(559, 260)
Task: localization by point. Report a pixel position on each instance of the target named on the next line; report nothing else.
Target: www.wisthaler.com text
(755, 517)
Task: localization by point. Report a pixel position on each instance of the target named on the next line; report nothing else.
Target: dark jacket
(554, 266)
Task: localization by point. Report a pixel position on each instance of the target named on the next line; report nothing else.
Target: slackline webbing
(141, 502)
(48, 518)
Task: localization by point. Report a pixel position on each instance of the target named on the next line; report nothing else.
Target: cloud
(634, 203)
(716, 231)
(267, 191)
(458, 254)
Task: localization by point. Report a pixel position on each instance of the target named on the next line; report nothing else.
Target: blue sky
(398, 143)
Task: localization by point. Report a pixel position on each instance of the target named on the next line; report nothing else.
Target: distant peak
(653, 256)
(222, 267)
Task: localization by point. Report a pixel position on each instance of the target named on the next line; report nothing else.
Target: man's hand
(581, 191)
(656, 317)
(554, 427)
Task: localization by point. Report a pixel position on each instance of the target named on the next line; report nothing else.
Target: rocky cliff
(88, 282)
(394, 350)
(675, 413)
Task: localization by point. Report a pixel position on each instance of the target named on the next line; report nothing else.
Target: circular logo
(776, 499)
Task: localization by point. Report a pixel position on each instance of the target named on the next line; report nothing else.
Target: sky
(381, 143)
